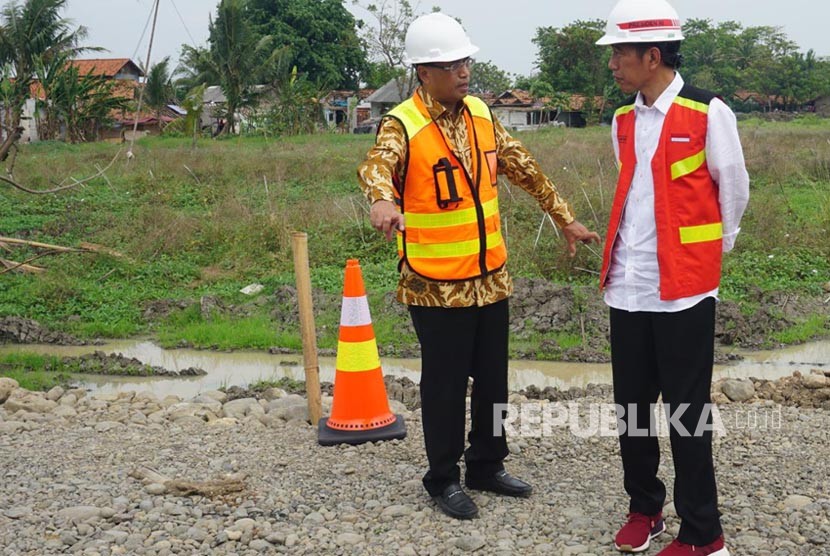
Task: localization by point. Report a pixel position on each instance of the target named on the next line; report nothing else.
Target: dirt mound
(116, 364)
(27, 331)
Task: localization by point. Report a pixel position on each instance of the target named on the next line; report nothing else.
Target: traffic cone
(360, 410)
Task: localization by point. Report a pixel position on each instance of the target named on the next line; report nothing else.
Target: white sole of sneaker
(721, 552)
(644, 547)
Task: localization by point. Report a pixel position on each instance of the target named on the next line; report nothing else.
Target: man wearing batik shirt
(431, 177)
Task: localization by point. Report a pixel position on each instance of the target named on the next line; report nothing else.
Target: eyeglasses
(453, 66)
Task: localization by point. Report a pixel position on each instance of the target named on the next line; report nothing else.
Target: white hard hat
(437, 38)
(643, 21)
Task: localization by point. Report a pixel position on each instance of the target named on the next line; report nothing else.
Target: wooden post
(299, 241)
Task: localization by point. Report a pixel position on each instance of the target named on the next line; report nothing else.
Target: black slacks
(456, 344)
(672, 354)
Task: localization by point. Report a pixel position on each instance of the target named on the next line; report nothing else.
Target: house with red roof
(127, 77)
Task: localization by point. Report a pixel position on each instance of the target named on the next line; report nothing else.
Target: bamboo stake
(299, 241)
(582, 327)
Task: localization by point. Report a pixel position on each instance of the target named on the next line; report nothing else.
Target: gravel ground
(66, 459)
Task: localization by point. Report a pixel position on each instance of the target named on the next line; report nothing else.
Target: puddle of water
(244, 367)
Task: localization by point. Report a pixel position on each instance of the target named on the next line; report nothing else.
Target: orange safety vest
(453, 229)
(686, 207)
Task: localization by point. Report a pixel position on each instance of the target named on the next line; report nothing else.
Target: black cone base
(327, 436)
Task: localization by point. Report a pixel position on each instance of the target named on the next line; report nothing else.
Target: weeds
(202, 222)
(34, 372)
(814, 327)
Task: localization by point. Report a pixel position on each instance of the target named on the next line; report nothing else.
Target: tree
(191, 125)
(767, 74)
(821, 78)
(321, 36)
(296, 109)
(798, 79)
(569, 60)
(234, 56)
(717, 57)
(385, 41)
(31, 34)
(534, 84)
(48, 73)
(83, 103)
(486, 77)
(195, 68)
(73, 103)
(158, 88)
(378, 74)
(727, 58)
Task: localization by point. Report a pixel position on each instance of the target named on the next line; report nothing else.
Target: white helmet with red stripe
(643, 21)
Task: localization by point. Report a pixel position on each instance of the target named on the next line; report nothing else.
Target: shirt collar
(666, 98)
(436, 109)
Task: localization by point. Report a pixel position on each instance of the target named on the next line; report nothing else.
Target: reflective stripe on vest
(451, 217)
(686, 206)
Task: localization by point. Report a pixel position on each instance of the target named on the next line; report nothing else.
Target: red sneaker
(636, 535)
(677, 548)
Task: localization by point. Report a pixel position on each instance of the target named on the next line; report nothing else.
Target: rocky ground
(69, 465)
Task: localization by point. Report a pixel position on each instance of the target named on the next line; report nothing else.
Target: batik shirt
(388, 157)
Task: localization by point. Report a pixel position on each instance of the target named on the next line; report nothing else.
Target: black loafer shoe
(455, 503)
(501, 483)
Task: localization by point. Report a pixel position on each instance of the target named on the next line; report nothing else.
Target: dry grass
(231, 205)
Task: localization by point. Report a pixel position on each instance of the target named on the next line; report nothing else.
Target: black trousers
(672, 354)
(456, 344)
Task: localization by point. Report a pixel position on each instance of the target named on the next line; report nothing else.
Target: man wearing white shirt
(682, 190)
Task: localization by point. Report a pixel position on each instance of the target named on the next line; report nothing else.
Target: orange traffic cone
(360, 410)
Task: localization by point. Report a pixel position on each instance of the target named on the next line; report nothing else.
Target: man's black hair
(669, 52)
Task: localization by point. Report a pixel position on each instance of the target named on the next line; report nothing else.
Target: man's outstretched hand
(576, 232)
(385, 217)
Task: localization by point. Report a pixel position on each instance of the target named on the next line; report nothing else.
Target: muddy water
(244, 367)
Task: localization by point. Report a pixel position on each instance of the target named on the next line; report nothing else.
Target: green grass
(546, 347)
(33, 371)
(196, 222)
(814, 327)
(789, 270)
(220, 332)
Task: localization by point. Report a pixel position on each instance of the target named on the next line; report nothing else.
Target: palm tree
(83, 103)
(195, 68)
(158, 88)
(235, 53)
(31, 35)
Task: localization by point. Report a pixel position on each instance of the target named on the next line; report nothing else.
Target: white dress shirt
(634, 275)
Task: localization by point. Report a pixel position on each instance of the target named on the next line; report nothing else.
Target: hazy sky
(503, 30)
